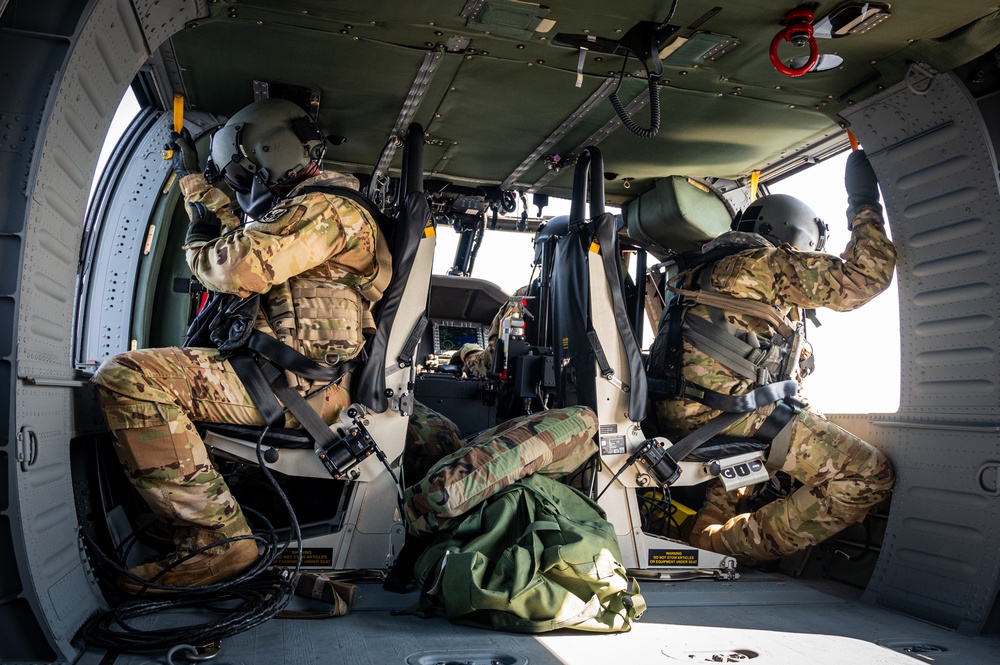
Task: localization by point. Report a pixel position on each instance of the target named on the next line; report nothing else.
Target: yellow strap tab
(595, 247)
(178, 122)
(700, 185)
(178, 112)
(754, 183)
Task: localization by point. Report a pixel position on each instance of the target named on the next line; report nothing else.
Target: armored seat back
(598, 363)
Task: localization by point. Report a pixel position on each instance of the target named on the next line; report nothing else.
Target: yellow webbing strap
(178, 120)
(754, 184)
(178, 112)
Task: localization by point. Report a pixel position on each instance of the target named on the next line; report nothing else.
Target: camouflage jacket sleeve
(789, 278)
(197, 190)
(299, 234)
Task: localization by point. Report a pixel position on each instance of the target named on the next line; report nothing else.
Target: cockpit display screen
(451, 338)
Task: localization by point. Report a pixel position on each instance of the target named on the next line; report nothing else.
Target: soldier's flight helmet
(264, 147)
(784, 219)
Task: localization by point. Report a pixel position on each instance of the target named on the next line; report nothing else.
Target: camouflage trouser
(842, 478)
(552, 443)
(150, 399)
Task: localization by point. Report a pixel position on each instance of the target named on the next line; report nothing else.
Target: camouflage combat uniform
(842, 476)
(476, 362)
(320, 261)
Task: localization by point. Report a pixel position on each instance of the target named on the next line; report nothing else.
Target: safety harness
(261, 361)
(772, 365)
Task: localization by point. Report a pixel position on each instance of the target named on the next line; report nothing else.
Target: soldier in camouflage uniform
(842, 477)
(319, 262)
(476, 362)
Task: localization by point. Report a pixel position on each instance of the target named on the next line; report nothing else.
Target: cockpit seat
(600, 364)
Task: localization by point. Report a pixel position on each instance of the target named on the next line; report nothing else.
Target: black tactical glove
(204, 224)
(185, 159)
(861, 184)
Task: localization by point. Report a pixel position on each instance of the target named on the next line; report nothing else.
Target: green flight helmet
(784, 219)
(264, 147)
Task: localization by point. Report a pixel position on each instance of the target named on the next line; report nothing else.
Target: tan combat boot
(708, 521)
(202, 570)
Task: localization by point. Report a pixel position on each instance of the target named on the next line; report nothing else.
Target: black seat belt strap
(304, 413)
(686, 446)
(288, 358)
(405, 357)
(602, 360)
(752, 401)
(258, 388)
(264, 381)
(776, 430)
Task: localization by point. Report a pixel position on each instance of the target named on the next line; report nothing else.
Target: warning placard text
(313, 557)
(673, 557)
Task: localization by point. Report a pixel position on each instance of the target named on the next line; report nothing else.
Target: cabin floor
(761, 618)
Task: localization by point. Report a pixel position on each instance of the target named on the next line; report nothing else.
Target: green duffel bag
(534, 557)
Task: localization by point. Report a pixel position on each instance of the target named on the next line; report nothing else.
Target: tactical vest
(762, 361)
(320, 317)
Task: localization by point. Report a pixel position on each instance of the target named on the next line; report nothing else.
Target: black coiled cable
(654, 88)
(246, 600)
(654, 112)
(508, 202)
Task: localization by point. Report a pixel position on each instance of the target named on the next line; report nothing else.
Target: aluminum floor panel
(763, 619)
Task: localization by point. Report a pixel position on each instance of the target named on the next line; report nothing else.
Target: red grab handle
(798, 30)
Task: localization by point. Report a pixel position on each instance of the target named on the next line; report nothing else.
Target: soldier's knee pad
(117, 372)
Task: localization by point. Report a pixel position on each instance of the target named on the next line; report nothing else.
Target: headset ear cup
(823, 233)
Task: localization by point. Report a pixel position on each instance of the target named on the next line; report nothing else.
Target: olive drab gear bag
(534, 557)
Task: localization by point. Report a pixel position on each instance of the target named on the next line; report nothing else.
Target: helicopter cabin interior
(472, 115)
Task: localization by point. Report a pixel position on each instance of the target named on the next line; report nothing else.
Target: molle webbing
(319, 311)
(323, 320)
